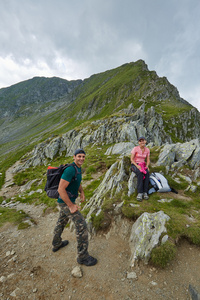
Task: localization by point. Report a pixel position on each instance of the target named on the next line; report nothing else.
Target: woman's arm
(133, 162)
(148, 161)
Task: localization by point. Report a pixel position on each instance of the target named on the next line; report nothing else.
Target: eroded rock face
(122, 131)
(113, 183)
(178, 155)
(145, 235)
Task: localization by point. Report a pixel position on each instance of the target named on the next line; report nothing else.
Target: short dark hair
(79, 151)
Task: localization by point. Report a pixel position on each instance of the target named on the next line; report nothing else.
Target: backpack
(53, 178)
(159, 183)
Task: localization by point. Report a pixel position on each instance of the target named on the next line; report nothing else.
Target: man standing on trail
(68, 189)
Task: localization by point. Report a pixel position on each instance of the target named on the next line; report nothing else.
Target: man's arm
(82, 195)
(64, 196)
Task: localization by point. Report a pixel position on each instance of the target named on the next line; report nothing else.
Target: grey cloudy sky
(75, 39)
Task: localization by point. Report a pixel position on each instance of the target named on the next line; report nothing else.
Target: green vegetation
(11, 216)
(102, 96)
(162, 255)
(23, 225)
(180, 225)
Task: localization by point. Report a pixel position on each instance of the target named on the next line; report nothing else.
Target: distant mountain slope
(30, 96)
(33, 109)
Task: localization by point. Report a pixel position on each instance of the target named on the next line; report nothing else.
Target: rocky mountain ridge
(42, 105)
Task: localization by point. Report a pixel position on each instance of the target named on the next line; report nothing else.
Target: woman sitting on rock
(141, 168)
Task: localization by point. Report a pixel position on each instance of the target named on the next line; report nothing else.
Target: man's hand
(82, 197)
(73, 208)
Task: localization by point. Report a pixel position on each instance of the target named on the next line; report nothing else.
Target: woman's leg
(140, 176)
(146, 182)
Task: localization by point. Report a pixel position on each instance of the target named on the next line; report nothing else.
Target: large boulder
(167, 155)
(145, 235)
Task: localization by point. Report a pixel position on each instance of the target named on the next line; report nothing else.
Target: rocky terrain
(30, 270)
(43, 122)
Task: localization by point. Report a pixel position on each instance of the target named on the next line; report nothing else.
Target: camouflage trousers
(81, 230)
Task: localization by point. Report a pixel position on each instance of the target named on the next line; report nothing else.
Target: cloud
(75, 39)
(13, 71)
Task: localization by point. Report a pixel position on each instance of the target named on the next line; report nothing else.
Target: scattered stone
(153, 283)
(8, 253)
(10, 275)
(132, 275)
(193, 188)
(31, 193)
(15, 293)
(12, 252)
(14, 258)
(35, 290)
(165, 200)
(186, 178)
(164, 239)
(193, 293)
(2, 279)
(77, 272)
(134, 205)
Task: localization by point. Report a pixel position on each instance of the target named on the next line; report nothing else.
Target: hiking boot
(139, 197)
(89, 261)
(64, 243)
(145, 196)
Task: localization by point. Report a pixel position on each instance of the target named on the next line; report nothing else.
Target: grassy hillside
(40, 107)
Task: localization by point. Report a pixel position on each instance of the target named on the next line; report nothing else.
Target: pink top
(139, 157)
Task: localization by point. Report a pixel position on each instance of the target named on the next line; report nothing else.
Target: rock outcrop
(180, 154)
(145, 235)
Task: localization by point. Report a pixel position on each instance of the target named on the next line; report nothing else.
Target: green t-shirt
(73, 187)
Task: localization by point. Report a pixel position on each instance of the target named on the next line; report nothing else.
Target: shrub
(102, 221)
(23, 225)
(163, 254)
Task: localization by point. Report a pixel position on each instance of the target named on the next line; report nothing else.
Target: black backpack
(53, 178)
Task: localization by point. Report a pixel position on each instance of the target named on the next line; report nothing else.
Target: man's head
(79, 157)
(78, 151)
